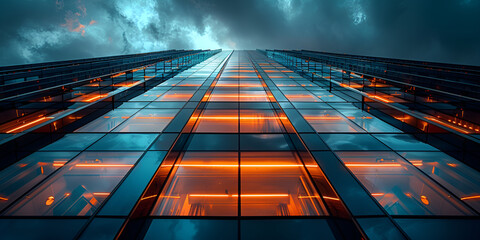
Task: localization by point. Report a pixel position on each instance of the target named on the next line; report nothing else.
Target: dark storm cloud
(47, 30)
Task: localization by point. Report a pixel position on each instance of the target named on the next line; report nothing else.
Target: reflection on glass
(259, 121)
(276, 184)
(176, 96)
(403, 142)
(329, 121)
(202, 184)
(367, 121)
(73, 142)
(218, 121)
(457, 177)
(79, 187)
(20, 177)
(301, 96)
(348, 142)
(108, 121)
(189, 229)
(399, 187)
(148, 120)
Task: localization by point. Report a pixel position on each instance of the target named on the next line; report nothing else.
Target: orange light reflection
(28, 124)
(103, 165)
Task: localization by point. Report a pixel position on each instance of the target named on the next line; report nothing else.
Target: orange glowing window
(91, 97)
(218, 121)
(381, 98)
(24, 124)
(238, 84)
(259, 121)
(351, 85)
(125, 84)
(277, 191)
(206, 184)
(204, 190)
(243, 96)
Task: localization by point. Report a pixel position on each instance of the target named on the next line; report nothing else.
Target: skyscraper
(266, 144)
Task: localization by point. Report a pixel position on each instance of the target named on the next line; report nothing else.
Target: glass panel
(164, 141)
(313, 142)
(259, 121)
(23, 175)
(108, 121)
(79, 188)
(202, 184)
(40, 228)
(457, 177)
(276, 184)
(311, 105)
(353, 194)
(264, 142)
(253, 96)
(102, 229)
(404, 142)
(380, 228)
(399, 187)
(213, 142)
(166, 105)
(119, 142)
(176, 96)
(286, 229)
(133, 105)
(352, 142)
(218, 121)
(185, 229)
(73, 142)
(300, 96)
(367, 121)
(439, 228)
(127, 194)
(224, 96)
(329, 121)
(148, 120)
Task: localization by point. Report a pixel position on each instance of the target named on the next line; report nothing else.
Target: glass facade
(237, 144)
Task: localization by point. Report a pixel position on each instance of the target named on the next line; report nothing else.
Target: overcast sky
(48, 30)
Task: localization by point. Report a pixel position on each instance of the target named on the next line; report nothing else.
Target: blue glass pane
(380, 228)
(352, 142)
(73, 142)
(102, 229)
(213, 142)
(440, 228)
(313, 142)
(286, 229)
(189, 229)
(26, 229)
(164, 142)
(403, 142)
(119, 142)
(264, 142)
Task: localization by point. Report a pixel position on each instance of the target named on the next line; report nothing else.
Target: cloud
(48, 30)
